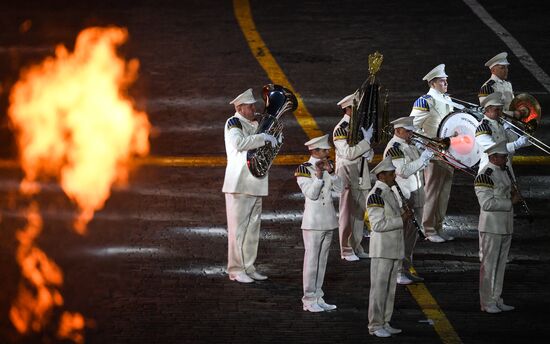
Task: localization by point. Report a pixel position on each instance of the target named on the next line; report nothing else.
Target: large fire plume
(73, 121)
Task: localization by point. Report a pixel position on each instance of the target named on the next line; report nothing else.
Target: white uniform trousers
(439, 178)
(383, 280)
(493, 251)
(243, 231)
(351, 221)
(316, 245)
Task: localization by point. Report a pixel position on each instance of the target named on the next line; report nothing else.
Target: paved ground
(151, 268)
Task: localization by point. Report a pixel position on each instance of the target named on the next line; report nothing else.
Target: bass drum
(461, 127)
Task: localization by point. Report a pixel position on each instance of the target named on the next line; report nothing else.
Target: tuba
(364, 110)
(278, 100)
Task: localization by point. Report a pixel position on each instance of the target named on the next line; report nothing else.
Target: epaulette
(484, 128)
(395, 153)
(486, 89)
(375, 199)
(340, 134)
(422, 103)
(234, 122)
(484, 180)
(302, 170)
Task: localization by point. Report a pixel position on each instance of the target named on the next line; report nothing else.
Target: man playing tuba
(243, 191)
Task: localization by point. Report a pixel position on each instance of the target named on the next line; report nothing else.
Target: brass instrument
(515, 188)
(438, 148)
(525, 125)
(278, 100)
(408, 209)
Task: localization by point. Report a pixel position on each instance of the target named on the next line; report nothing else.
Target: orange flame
(75, 122)
(38, 293)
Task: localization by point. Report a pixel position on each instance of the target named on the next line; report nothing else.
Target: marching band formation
(405, 196)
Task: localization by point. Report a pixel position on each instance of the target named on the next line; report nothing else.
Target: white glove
(280, 138)
(420, 146)
(368, 155)
(270, 138)
(522, 141)
(506, 126)
(367, 134)
(426, 156)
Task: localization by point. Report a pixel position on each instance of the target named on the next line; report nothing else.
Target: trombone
(516, 126)
(438, 148)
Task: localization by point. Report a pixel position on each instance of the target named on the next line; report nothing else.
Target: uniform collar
(242, 118)
(313, 160)
(382, 185)
(490, 119)
(496, 78)
(400, 140)
(493, 166)
(436, 94)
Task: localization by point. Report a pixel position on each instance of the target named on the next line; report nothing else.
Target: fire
(74, 121)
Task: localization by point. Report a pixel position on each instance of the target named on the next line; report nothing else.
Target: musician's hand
(367, 134)
(269, 138)
(280, 138)
(407, 215)
(522, 141)
(328, 166)
(426, 156)
(319, 168)
(368, 155)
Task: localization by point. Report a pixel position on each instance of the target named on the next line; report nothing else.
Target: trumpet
(515, 189)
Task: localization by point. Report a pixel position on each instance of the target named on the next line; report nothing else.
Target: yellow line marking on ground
(281, 159)
(432, 311)
(270, 65)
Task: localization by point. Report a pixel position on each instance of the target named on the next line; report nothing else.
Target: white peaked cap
(499, 59)
(403, 122)
(384, 165)
(497, 148)
(244, 98)
(346, 101)
(318, 142)
(494, 99)
(437, 72)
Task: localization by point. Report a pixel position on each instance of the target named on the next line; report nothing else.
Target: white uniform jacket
(429, 110)
(489, 132)
(386, 239)
(496, 84)
(493, 186)
(319, 212)
(408, 166)
(348, 159)
(239, 138)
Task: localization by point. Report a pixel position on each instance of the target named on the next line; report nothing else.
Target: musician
(428, 111)
(491, 130)
(498, 82)
(386, 248)
(496, 197)
(409, 164)
(243, 191)
(349, 160)
(317, 179)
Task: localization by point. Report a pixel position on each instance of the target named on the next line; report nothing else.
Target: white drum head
(461, 128)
